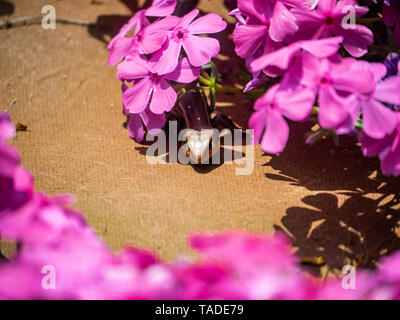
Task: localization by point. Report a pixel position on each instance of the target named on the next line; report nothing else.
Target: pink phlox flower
(329, 18)
(387, 148)
(151, 88)
(278, 61)
(139, 121)
(16, 183)
(147, 37)
(266, 22)
(7, 130)
(237, 265)
(270, 128)
(314, 64)
(337, 87)
(39, 219)
(199, 50)
(378, 119)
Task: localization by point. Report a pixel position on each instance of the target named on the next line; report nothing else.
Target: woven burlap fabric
(328, 199)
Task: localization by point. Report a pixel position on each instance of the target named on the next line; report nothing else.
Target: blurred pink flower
(15, 182)
(237, 265)
(7, 130)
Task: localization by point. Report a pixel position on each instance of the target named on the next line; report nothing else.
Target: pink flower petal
(280, 59)
(356, 41)
(164, 97)
(155, 34)
(119, 50)
(166, 60)
(389, 90)
(210, 23)
(283, 23)
(295, 104)
(7, 130)
(343, 79)
(276, 133)
(302, 4)
(152, 121)
(135, 127)
(322, 48)
(309, 21)
(378, 120)
(161, 8)
(326, 6)
(188, 18)
(373, 147)
(137, 97)
(378, 70)
(260, 10)
(332, 108)
(248, 38)
(283, 57)
(267, 99)
(200, 50)
(390, 162)
(257, 123)
(184, 72)
(9, 161)
(136, 22)
(134, 67)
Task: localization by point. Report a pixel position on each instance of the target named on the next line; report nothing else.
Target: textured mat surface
(330, 200)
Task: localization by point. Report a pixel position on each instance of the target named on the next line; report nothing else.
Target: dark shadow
(361, 229)
(107, 26)
(6, 8)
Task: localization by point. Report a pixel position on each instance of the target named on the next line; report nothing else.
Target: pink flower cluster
(152, 60)
(297, 43)
(234, 265)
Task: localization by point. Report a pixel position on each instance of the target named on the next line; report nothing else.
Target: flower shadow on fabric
(357, 231)
(107, 26)
(6, 8)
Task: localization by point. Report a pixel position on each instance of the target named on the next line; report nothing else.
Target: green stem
(204, 81)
